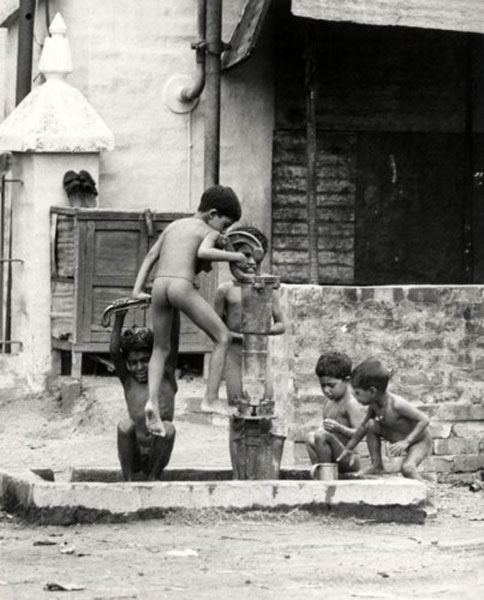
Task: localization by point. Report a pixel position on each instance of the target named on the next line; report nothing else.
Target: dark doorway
(399, 145)
(409, 209)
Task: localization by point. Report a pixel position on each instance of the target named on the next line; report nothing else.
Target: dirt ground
(212, 554)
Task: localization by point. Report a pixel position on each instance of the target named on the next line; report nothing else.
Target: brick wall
(432, 336)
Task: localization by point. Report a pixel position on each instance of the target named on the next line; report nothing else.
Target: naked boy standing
(179, 251)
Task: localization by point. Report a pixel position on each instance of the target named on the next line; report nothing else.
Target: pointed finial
(55, 60)
(58, 26)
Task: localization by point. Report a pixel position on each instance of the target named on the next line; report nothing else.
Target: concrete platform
(92, 495)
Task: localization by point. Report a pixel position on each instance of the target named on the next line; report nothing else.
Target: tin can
(324, 471)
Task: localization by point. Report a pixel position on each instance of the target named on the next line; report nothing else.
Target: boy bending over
(182, 250)
(141, 454)
(228, 306)
(341, 413)
(389, 417)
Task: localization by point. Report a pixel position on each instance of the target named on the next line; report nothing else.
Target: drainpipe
(24, 49)
(189, 93)
(212, 93)
(181, 93)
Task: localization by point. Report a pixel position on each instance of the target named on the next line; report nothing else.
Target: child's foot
(153, 421)
(369, 471)
(216, 406)
(233, 411)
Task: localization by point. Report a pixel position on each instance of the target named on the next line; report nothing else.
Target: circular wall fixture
(171, 94)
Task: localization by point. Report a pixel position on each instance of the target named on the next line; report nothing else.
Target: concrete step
(385, 500)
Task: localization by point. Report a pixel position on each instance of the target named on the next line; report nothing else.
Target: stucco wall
(124, 52)
(432, 336)
(41, 176)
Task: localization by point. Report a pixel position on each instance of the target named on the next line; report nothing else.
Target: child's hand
(141, 295)
(344, 454)
(331, 425)
(121, 302)
(398, 448)
(242, 261)
(153, 421)
(222, 242)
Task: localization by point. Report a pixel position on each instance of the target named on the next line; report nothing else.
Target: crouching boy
(389, 417)
(142, 455)
(341, 414)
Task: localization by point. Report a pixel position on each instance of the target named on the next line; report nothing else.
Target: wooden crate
(95, 257)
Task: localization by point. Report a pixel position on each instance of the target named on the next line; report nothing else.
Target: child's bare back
(394, 425)
(179, 247)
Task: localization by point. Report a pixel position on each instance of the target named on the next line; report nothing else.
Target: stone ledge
(388, 499)
(454, 412)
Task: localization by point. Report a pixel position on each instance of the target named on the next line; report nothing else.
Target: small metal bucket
(324, 471)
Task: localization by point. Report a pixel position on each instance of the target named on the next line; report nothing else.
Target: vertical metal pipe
(212, 93)
(47, 16)
(2, 255)
(8, 296)
(24, 49)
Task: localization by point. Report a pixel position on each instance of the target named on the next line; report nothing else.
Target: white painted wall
(41, 188)
(123, 52)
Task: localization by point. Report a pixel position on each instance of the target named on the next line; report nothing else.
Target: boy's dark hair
(370, 373)
(257, 233)
(223, 199)
(334, 364)
(136, 339)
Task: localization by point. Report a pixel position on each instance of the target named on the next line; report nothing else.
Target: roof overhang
(246, 33)
(452, 15)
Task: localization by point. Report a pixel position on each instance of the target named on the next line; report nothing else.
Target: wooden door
(110, 253)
